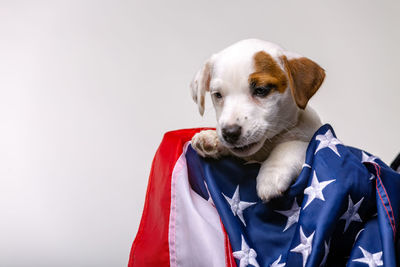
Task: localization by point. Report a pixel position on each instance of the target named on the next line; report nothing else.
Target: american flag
(342, 210)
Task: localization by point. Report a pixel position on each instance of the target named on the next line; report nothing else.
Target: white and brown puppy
(260, 93)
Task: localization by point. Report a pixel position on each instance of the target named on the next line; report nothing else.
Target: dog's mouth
(245, 148)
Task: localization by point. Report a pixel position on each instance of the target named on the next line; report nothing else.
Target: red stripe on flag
(229, 259)
(150, 247)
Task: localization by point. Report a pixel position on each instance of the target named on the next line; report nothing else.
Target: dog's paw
(273, 183)
(207, 144)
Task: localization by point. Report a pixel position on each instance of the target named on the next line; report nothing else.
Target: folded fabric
(342, 210)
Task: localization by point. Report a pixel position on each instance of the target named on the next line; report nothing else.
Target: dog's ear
(305, 78)
(201, 84)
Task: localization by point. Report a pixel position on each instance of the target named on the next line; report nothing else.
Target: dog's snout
(231, 133)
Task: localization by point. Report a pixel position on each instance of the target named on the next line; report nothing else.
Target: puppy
(260, 93)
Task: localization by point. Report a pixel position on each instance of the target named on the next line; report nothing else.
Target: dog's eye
(217, 95)
(263, 91)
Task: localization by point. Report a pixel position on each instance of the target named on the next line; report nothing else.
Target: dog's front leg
(280, 169)
(207, 144)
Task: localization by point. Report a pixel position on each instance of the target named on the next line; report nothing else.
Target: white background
(87, 89)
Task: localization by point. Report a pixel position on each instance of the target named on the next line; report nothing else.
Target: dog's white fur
(278, 129)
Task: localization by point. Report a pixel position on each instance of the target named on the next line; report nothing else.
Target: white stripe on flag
(195, 235)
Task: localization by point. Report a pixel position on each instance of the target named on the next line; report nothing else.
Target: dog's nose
(231, 133)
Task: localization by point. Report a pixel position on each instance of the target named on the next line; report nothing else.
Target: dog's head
(257, 89)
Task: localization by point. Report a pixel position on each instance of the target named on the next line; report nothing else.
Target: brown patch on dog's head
(305, 78)
(267, 73)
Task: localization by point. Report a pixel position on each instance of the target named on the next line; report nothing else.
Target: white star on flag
(351, 213)
(277, 264)
(305, 246)
(373, 260)
(246, 255)
(366, 158)
(209, 195)
(315, 189)
(305, 165)
(327, 245)
(327, 140)
(238, 206)
(358, 234)
(292, 214)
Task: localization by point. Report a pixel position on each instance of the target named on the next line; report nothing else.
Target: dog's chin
(246, 150)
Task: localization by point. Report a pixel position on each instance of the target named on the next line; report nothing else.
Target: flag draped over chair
(342, 210)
